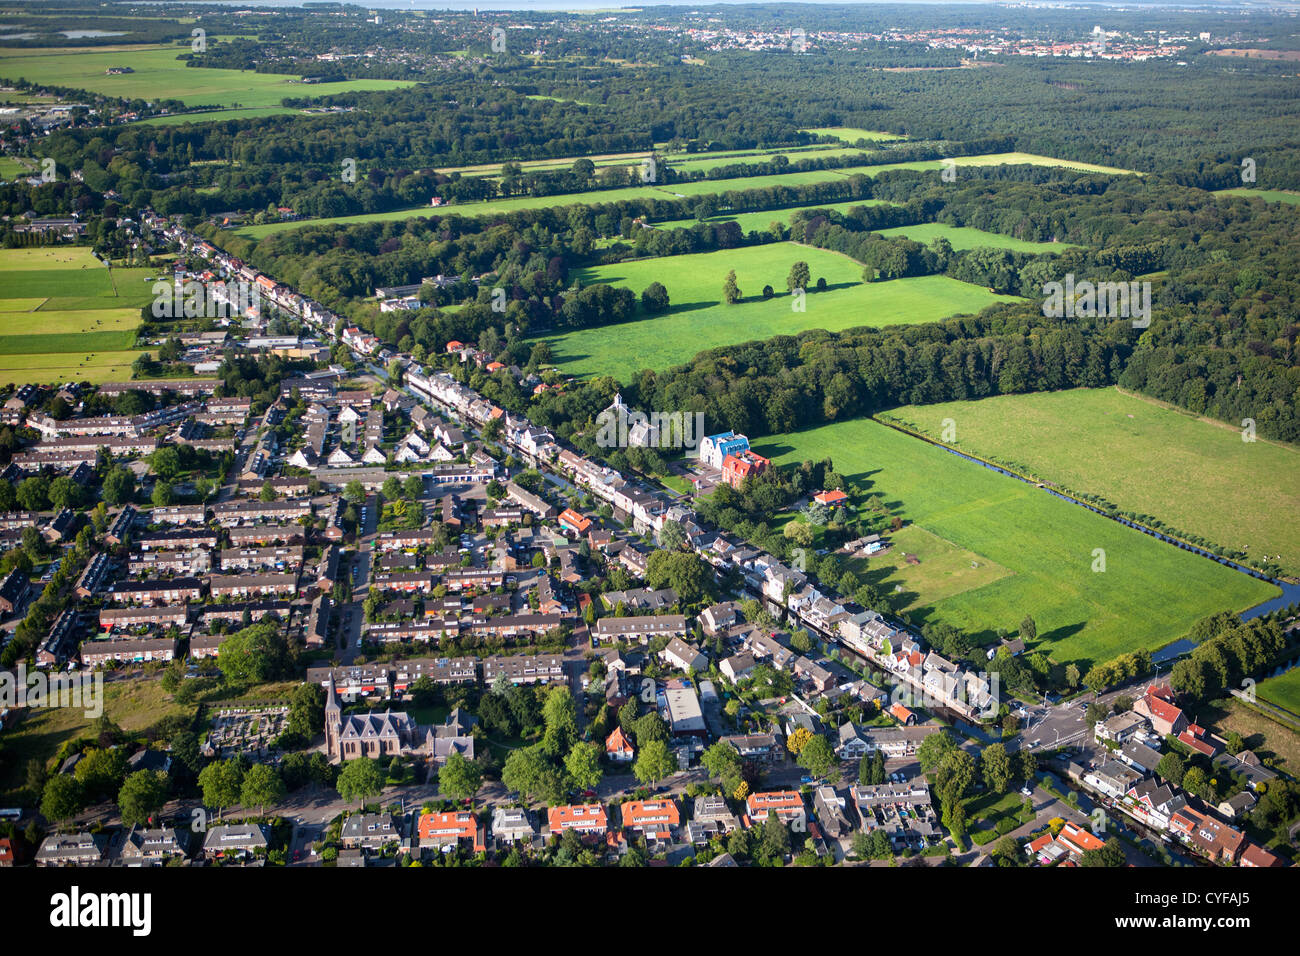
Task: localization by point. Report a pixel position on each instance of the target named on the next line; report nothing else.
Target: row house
(233, 613)
(437, 629)
(175, 540)
(265, 533)
(94, 575)
(254, 585)
(460, 578)
(290, 487)
(236, 512)
(173, 591)
(525, 669)
(206, 645)
(399, 540)
(170, 562)
(179, 514)
(61, 643)
(94, 653)
(166, 616)
(642, 629)
(255, 559)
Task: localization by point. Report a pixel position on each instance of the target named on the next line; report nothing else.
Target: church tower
(333, 721)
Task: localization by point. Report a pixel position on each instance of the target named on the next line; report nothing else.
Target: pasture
(963, 237)
(1148, 595)
(760, 221)
(157, 72)
(66, 317)
(671, 191)
(697, 319)
(1143, 456)
(1268, 195)
(1282, 690)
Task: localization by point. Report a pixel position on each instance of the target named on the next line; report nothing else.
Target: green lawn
(1126, 448)
(851, 134)
(1268, 195)
(963, 237)
(1148, 595)
(85, 332)
(675, 190)
(759, 221)
(698, 320)
(1283, 690)
(159, 73)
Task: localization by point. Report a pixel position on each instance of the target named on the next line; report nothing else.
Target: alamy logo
(85, 692)
(206, 300)
(75, 909)
(1116, 300)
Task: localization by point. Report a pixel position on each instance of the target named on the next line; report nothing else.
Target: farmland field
(851, 134)
(698, 320)
(1268, 195)
(1054, 436)
(1148, 595)
(1282, 690)
(963, 237)
(84, 333)
(759, 221)
(673, 191)
(159, 73)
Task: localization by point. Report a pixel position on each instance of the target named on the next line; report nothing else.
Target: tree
(255, 654)
(460, 778)
(262, 787)
(413, 487)
(933, 749)
(798, 278)
(654, 762)
(34, 493)
(222, 783)
(529, 773)
(119, 486)
(391, 488)
(268, 491)
(776, 838)
(997, 767)
(359, 780)
(723, 762)
(163, 495)
(101, 771)
(63, 798)
(818, 758)
(731, 291)
(1110, 855)
(1028, 630)
(1172, 768)
(583, 765)
(142, 796)
(559, 714)
(64, 493)
(354, 492)
(654, 300)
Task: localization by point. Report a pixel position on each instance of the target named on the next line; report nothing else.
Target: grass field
(1268, 195)
(698, 320)
(675, 190)
(85, 333)
(963, 237)
(759, 221)
(1282, 690)
(133, 704)
(851, 134)
(1127, 450)
(159, 73)
(1149, 594)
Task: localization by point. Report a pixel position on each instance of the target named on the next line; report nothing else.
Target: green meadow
(66, 317)
(1148, 594)
(760, 221)
(1268, 195)
(157, 73)
(1282, 690)
(672, 191)
(697, 319)
(963, 237)
(1125, 448)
